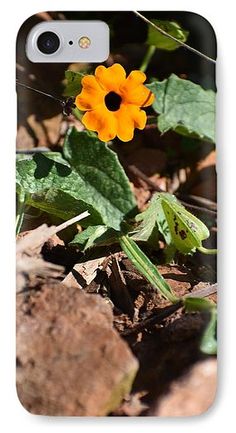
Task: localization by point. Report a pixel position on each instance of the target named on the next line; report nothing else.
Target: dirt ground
(80, 345)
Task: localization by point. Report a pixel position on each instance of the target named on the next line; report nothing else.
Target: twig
(154, 320)
(40, 235)
(194, 206)
(202, 201)
(168, 311)
(203, 293)
(71, 221)
(183, 44)
(154, 187)
(40, 92)
(141, 175)
(41, 149)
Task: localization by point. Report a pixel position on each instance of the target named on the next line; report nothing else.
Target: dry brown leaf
(84, 273)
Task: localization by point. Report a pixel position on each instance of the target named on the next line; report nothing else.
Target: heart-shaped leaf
(184, 107)
(93, 181)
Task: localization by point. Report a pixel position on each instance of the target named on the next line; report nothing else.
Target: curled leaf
(179, 227)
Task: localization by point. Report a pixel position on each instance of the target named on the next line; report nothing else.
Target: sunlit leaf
(186, 231)
(209, 343)
(93, 181)
(179, 227)
(95, 236)
(147, 229)
(144, 265)
(184, 107)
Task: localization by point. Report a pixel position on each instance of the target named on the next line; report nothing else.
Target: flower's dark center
(113, 101)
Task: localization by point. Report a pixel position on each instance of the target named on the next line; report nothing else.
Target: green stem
(207, 250)
(146, 267)
(77, 113)
(20, 211)
(208, 342)
(147, 58)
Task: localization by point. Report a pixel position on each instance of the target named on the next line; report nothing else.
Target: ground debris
(132, 405)
(119, 290)
(84, 273)
(29, 267)
(29, 261)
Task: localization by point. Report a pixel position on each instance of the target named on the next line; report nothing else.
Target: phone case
(116, 221)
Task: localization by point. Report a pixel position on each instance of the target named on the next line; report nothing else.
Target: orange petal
(102, 121)
(135, 78)
(134, 92)
(129, 117)
(110, 78)
(91, 95)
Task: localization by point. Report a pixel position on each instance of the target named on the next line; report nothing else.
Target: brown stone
(192, 394)
(70, 360)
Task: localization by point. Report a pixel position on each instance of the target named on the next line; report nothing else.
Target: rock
(70, 360)
(192, 394)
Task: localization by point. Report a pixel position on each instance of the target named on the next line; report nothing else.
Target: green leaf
(163, 42)
(147, 230)
(208, 342)
(95, 236)
(95, 181)
(193, 305)
(184, 107)
(105, 177)
(47, 185)
(73, 86)
(146, 267)
(57, 157)
(20, 211)
(178, 226)
(187, 232)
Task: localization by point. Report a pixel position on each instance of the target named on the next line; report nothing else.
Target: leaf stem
(147, 58)
(208, 343)
(183, 44)
(147, 268)
(20, 211)
(207, 250)
(77, 113)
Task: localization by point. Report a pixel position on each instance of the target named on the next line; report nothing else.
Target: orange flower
(113, 102)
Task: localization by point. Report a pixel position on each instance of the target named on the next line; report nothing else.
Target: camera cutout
(48, 42)
(54, 41)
